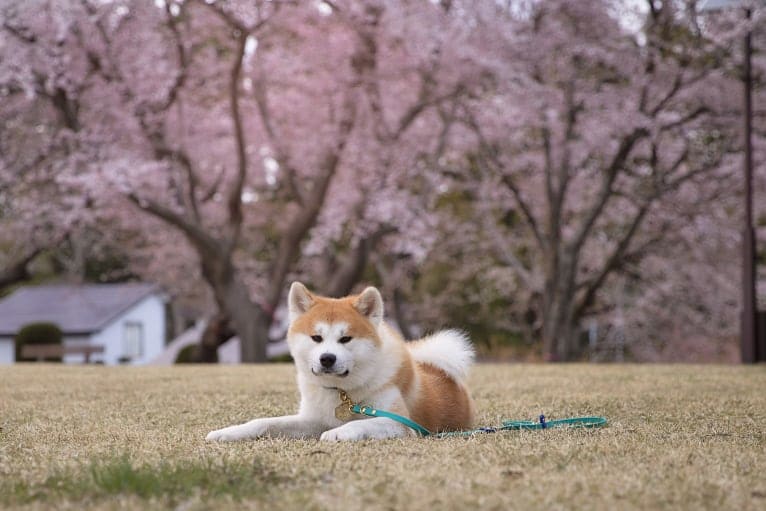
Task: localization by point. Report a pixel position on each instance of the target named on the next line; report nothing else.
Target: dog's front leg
(293, 426)
(377, 427)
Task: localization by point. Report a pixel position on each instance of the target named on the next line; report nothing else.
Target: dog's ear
(370, 305)
(299, 300)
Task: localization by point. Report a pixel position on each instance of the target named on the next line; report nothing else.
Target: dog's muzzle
(330, 371)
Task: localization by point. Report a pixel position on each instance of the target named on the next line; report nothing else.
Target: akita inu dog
(344, 345)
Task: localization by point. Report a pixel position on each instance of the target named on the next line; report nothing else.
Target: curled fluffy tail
(449, 350)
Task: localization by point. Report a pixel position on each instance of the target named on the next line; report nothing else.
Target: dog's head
(335, 342)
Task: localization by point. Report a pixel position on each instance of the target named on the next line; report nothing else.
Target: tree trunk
(249, 320)
(350, 272)
(399, 316)
(559, 330)
(345, 277)
(216, 333)
(559, 337)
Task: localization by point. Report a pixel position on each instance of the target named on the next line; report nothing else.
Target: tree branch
(492, 157)
(424, 101)
(191, 230)
(606, 190)
(306, 217)
(172, 96)
(215, 185)
(351, 270)
(280, 152)
(613, 261)
(154, 135)
(525, 209)
(16, 271)
(235, 194)
(506, 255)
(686, 118)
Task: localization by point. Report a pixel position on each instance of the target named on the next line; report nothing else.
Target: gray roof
(76, 309)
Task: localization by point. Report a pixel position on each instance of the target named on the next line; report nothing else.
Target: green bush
(281, 359)
(187, 355)
(190, 355)
(38, 333)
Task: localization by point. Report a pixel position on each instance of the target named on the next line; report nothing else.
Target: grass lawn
(680, 437)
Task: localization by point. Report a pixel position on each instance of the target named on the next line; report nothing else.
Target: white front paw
(223, 435)
(218, 435)
(252, 429)
(349, 431)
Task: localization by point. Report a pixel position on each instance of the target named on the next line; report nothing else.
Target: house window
(132, 339)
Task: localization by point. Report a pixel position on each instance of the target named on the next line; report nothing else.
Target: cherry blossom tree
(38, 128)
(589, 131)
(554, 158)
(232, 123)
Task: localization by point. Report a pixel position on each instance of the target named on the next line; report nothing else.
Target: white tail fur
(449, 350)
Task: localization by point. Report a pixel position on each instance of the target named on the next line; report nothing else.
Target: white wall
(7, 351)
(150, 313)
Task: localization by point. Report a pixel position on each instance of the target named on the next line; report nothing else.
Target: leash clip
(543, 424)
(345, 410)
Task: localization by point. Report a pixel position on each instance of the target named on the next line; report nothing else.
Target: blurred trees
(597, 131)
(234, 123)
(508, 167)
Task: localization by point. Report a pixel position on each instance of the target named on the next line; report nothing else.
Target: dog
(344, 345)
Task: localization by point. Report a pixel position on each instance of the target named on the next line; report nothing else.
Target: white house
(128, 320)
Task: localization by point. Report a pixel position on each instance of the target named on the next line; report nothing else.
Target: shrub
(38, 333)
(187, 355)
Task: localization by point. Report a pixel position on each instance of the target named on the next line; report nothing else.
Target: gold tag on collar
(343, 410)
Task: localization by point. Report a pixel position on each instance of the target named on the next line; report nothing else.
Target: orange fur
(331, 310)
(439, 403)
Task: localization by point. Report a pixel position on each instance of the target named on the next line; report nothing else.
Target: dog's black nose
(327, 360)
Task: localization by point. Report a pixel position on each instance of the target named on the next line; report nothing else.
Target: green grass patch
(167, 481)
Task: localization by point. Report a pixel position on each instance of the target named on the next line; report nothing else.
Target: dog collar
(346, 410)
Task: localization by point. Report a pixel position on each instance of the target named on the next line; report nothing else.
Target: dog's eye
(344, 339)
(316, 338)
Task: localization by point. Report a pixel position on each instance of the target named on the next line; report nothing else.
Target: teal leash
(507, 425)
(574, 422)
(373, 412)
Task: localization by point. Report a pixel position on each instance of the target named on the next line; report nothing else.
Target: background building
(128, 320)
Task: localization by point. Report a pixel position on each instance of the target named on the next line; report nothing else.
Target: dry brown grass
(681, 437)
